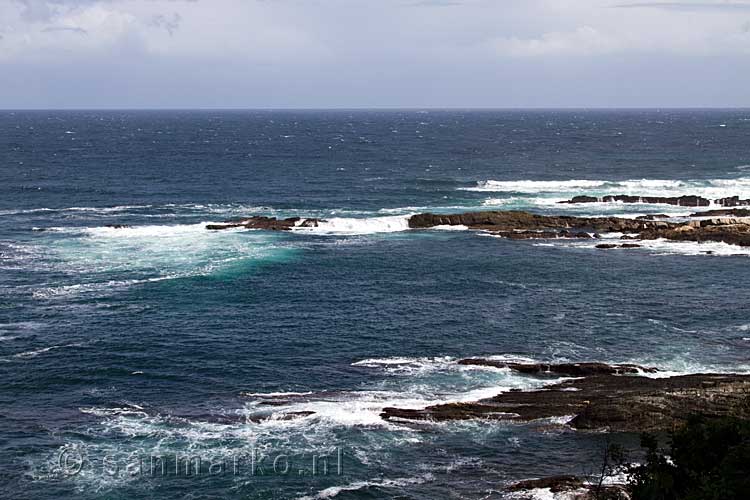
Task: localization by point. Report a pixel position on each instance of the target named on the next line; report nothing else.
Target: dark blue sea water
(163, 339)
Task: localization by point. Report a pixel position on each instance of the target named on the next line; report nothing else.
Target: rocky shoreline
(609, 397)
(572, 487)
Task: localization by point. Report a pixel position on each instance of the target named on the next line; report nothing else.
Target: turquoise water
(163, 339)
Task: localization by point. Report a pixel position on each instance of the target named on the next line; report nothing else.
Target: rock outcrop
(268, 223)
(572, 487)
(732, 201)
(729, 231)
(602, 400)
(680, 201)
(607, 246)
(524, 225)
(519, 225)
(558, 369)
(499, 221)
(723, 212)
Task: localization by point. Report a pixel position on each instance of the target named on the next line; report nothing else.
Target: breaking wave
(708, 188)
(359, 226)
(659, 246)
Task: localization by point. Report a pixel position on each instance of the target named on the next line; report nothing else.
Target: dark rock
(582, 199)
(310, 223)
(700, 231)
(630, 245)
(567, 369)
(524, 225)
(653, 217)
(118, 226)
(722, 212)
(607, 401)
(527, 235)
(573, 487)
(496, 221)
(556, 484)
(682, 201)
(267, 223)
(732, 201)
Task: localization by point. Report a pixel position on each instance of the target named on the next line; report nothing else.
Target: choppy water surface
(165, 339)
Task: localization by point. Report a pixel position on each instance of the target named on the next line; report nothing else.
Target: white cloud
(595, 28)
(335, 47)
(79, 30)
(582, 41)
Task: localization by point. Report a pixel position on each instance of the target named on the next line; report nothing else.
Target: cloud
(170, 23)
(687, 6)
(359, 52)
(71, 29)
(582, 41)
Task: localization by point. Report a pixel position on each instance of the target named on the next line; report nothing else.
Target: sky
(373, 53)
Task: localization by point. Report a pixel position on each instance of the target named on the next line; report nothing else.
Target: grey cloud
(686, 6)
(170, 23)
(346, 53)
(46, 10)
(72, 29)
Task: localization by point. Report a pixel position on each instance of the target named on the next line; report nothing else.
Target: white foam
(36, 352)
(133, 410)
(115, 209)
(560, 190)
(531, 186)
(276, 394)
(111, 258)
(83, 288)
(408, 364)
(546, 494)
(662, 246)
(152, 231)
(359, 226)
(659, 246)
(333, 491)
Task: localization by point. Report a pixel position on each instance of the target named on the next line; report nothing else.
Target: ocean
(130, 354)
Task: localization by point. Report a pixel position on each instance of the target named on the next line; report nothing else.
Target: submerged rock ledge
(604, 398)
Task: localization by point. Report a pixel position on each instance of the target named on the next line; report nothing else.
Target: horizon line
(386, 108)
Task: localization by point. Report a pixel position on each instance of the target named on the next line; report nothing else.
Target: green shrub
(708, 459)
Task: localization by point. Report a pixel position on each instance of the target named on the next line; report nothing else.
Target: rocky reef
(525, 225)
(267, 223)
(680, 201)
(499, 221)
(610, 397)
(572, 487)
(730, 226)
